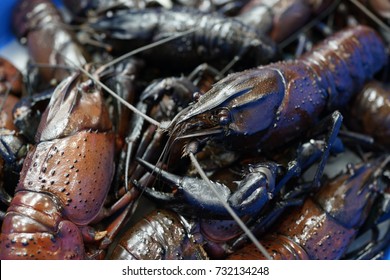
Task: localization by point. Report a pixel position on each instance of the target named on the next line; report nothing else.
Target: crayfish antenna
(150, 46)
(123, 57)
(371, 15)
(166, 176)
(87, 40)
(115, 95)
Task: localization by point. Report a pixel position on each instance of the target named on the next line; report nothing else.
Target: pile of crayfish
(197, 130)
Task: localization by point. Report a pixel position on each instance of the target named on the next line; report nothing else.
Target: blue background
(6, 35)
(5, 18)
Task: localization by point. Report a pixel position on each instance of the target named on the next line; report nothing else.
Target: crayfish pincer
(65, 177)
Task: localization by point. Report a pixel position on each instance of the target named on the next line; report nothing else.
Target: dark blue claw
(154, 194)
(251, 194)
(194, 195)
(154, 170)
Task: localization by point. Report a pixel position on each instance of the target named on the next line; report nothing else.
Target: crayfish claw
(154, 194)
(163, 175)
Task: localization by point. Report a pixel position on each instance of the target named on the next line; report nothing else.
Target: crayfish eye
(224, 117)
(88, 86)
(196, 95)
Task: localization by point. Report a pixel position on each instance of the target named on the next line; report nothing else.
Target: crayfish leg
(121, 210)
(331, 124)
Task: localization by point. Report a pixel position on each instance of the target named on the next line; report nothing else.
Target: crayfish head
(76, 104)
(195, 131)
(244, 104)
